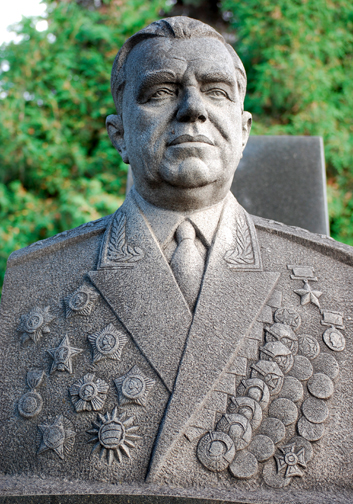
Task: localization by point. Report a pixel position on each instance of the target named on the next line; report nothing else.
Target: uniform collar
(165, 222)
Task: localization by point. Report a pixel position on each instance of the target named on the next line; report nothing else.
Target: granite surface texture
(284, 178)
(179, 350)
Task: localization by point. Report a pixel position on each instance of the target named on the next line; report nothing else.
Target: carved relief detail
(332, 318)
(114, 435)
(215, 451)
(62, 356)
(133, 387)
(308, 295)
(89, 393)
(243, 253)
(302, 272)
(116, 252)
(81, 302)
(58, 436)
(288, 317)
(289, 385)
(107, 344)
(290, 460)
(35, 324)
(332, 337)
(31, 403)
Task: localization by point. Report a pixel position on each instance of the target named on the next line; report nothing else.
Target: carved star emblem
(81, 301)
(35, 324)
(291, 460)
(133, 387)
(307, 295)
(89, 393)
(107, 344)
(59, 436)
(62, 356)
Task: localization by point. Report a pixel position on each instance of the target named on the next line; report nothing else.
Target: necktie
(187, 263)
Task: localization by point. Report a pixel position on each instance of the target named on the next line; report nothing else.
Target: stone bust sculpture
(199, 351)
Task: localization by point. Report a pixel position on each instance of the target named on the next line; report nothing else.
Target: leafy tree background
(57, 167)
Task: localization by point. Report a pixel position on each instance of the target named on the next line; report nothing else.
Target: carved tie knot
(185, 231)
(187, 263)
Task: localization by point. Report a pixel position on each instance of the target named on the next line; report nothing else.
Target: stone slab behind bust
(282, 178)
(246, 398)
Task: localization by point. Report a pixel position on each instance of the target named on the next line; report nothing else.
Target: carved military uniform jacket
(108, 377)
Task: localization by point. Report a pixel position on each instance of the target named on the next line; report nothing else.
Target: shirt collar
(165, 222)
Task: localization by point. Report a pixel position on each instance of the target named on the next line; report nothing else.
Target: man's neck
(184, 200)
(165, 221)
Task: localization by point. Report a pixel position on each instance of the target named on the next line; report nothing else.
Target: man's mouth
(188, 138)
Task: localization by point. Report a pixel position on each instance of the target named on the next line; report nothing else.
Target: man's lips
(188, 138)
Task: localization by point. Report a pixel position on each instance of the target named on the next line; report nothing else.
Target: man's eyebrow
(156, 77)
(217, 76)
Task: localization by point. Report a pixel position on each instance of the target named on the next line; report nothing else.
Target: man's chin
(188, 174)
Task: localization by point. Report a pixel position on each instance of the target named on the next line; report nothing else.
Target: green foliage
(298, 55)
(57, 166)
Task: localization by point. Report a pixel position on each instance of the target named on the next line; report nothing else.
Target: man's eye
(163, 93)
(217, 93)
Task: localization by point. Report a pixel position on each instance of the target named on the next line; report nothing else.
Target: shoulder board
(60, 240)
(320, 242)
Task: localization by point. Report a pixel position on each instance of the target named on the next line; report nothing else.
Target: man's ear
(246, 127)
(115, 130)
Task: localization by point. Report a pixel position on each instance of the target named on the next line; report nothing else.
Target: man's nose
(192, 108)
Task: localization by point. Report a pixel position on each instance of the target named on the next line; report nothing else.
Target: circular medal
(30, 404)
(215, 451)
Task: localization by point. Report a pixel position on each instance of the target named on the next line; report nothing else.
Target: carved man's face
(182, 130)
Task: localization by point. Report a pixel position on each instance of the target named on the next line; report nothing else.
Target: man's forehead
(203, 54)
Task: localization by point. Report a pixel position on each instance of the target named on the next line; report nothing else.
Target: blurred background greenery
(57, 167)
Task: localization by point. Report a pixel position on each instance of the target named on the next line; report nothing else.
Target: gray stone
(309, 430)
(272, 477)
(334, 339)
(292, 389)
(283, 178)
(308, 346)
(320, 386)
(300, 442)
(315, 410)
(285, 410)
(288, 317)
(113, 382)
(244, 465)
(238, 429)
(247, 407)
(273, 428)
(327, 364)
(262, 447)
(302, 368)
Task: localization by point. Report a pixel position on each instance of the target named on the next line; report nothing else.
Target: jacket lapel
(230, 301)
(136, 281)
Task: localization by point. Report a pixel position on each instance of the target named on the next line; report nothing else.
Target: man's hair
(178, 27)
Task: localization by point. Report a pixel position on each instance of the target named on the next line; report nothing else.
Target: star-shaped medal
(133, 387)
(307, 295)
(35, 324)
(107, 344)
(89, 393)
(81, 302)
(59, 436)
(62, 356)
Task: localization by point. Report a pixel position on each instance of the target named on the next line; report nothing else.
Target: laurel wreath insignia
(118, 249)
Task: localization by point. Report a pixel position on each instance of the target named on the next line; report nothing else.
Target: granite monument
(179, 349)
